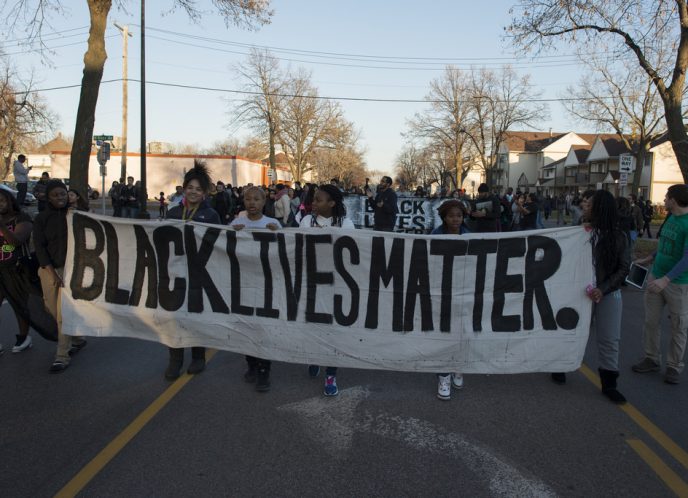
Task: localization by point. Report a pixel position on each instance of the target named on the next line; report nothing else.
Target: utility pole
(125, 98)
(143, 210)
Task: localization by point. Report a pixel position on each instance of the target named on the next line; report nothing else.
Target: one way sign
(626, 163)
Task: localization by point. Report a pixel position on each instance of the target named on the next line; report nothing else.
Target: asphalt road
(385, 435)
(112, 426)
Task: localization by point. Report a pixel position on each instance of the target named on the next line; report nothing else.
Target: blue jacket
(440, 230)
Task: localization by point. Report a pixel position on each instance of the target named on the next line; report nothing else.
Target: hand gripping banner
(480, 303)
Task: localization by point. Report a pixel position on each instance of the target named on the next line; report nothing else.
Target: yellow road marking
(655, 432)
(79, 481)
(670, 478)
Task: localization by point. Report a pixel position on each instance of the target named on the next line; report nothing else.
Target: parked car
(28, 200)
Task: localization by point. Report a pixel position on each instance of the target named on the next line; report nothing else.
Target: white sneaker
(444, 387)
(457, 381)
(21, 346)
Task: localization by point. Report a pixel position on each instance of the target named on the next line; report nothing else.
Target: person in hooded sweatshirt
(193, 207)
(50, 243)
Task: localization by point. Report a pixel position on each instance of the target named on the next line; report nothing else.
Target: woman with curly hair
(193, 207)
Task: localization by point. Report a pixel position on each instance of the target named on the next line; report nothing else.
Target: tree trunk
(677, 134)
(271, 138)
(639, 162)
(94, 62)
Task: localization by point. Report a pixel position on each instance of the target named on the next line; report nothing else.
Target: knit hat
(53, 184)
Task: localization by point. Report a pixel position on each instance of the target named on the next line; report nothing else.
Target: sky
(415, 39)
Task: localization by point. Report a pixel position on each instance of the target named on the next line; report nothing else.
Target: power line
(379, 58)
(359, 66)
(313, 97)
(54, 47)
(30, 38)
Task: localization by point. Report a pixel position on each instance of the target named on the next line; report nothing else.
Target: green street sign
(102, 137)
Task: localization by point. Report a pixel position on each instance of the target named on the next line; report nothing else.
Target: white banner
(481, 303)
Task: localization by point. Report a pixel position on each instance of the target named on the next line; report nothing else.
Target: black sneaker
(672, 376)
(313, 370)
(58, 367)
(77, 347)
(263, 380)
(250, 375)
(174, 368)
(559, 378)
(197, 366)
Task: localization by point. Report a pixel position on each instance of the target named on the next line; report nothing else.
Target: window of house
(598, 167)
(571, 172)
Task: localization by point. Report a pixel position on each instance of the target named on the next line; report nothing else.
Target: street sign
(626, 163)
(102, 137)
(623, 178)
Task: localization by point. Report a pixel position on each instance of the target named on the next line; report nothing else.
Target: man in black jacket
(485, 211)
(50, 242)
(384, 205)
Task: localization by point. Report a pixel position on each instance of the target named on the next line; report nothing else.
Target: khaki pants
(675, 296)
(52, 297)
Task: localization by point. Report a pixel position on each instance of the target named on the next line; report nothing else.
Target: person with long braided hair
(328, 211)
(611, 259)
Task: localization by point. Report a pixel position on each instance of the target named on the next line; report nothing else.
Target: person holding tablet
(668, 285)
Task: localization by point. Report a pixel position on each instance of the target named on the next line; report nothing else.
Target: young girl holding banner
(452, 214)
(328, 212)
(253, 217)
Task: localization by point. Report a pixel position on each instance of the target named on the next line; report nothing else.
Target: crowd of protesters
(615, 225)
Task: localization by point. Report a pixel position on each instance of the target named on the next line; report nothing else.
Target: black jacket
(610, 279)
(204, 213)
(385, 216)
(50, 236)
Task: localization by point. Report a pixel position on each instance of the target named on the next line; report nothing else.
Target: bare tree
(411, 166)
(624, 100)
(307, 123)
(261, 112)
(24, 117)
(443, 124)
(637, 27)
(342, 158)
(498, 102)
(31, 15)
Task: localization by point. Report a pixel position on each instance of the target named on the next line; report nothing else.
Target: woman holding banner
(193, 207)
(258, 371)
(453, 214)
(611, 258)
(328, 212)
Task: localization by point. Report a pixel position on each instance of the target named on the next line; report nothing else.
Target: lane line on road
(651, 429)
(98, 463)
(670, 478)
